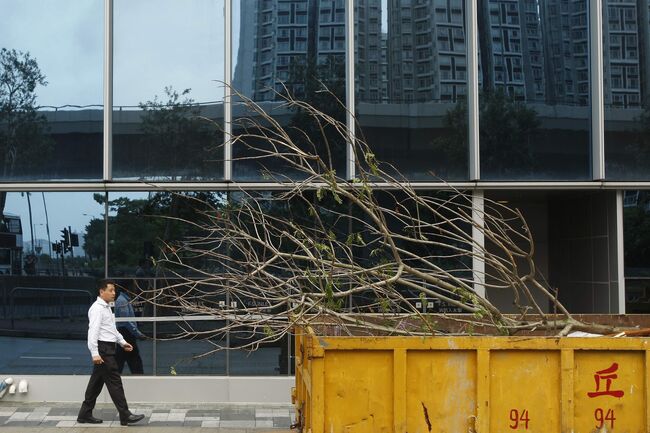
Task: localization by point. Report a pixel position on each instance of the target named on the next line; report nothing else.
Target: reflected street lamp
(39, 248)
(31, 224)
(47, 225)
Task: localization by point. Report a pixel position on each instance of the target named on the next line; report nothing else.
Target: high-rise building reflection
(280, 40)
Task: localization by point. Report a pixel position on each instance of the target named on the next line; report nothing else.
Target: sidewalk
(61, 417)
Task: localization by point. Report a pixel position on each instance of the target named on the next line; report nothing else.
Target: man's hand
(127, 347)
(98, 360)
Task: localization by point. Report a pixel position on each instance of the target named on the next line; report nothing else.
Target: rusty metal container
(471, 384)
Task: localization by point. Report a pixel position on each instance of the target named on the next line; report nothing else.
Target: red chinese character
(606, 375)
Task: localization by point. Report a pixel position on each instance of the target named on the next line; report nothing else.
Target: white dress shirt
(101, 326)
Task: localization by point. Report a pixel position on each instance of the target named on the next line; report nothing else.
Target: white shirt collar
(102, 302)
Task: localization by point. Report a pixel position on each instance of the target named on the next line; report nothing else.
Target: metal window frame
(471, 23)
(350, 169)
(274, 186)
(227, 99)
(597, 88)
(620, 253)
(107, 162)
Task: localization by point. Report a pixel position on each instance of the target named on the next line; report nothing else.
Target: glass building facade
(106, 106)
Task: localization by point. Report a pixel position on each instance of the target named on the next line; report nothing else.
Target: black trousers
(132, 358)
(106, 373)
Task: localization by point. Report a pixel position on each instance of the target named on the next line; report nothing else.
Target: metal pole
(155, 333)
(106, 235)
(31, 224)
(228, 252)
(47, 225)
(61, 306)
(289, 357)
(62, 261)
(12, 309)
(620, 253)
(478, 244)
(70, 240)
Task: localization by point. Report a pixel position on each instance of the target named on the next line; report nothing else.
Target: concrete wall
(151, 389)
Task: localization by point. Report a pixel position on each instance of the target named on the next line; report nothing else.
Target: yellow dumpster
(471, 384)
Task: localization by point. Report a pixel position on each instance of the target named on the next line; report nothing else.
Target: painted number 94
(519, 419)
(603, 417)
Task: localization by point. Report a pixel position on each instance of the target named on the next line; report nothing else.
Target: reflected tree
(639, 149)
(177, 138)
(451, 146)
(140, 226)
(644, 136)
(94, 239)
(628, 149)
(24, 142)
(316, 84)
(324, 89)
(507, 134)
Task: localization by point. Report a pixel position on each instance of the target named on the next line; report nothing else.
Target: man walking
(103, 339)
(131, 333)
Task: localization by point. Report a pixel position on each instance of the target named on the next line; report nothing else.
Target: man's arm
(94, 321)
(120, 339)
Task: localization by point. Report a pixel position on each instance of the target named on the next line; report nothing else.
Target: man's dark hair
(102, 284)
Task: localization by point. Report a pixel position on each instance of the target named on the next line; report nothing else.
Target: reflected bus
(11, 245)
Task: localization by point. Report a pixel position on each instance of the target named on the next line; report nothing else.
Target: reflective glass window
(626, 41)
(280, 48)
(437, 247)
(168, 90)
(411, 85)
(49, 266)
(51, 84)
(534, 90)
(636, 229)
(134, 311)
(144, 229)
(270, 359)
(187, 347)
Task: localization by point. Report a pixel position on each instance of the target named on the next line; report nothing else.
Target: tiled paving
(198, 416)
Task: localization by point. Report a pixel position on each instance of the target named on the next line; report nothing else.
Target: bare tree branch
(347, 255)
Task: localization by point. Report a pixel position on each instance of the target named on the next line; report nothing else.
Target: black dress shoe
(89, 420)
(132, 419)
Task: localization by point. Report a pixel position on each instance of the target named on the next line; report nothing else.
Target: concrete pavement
(140, 429)
(231, 418)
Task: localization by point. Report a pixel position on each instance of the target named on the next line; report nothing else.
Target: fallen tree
(357, 256)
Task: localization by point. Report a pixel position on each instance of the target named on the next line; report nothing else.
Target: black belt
(108, 343)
